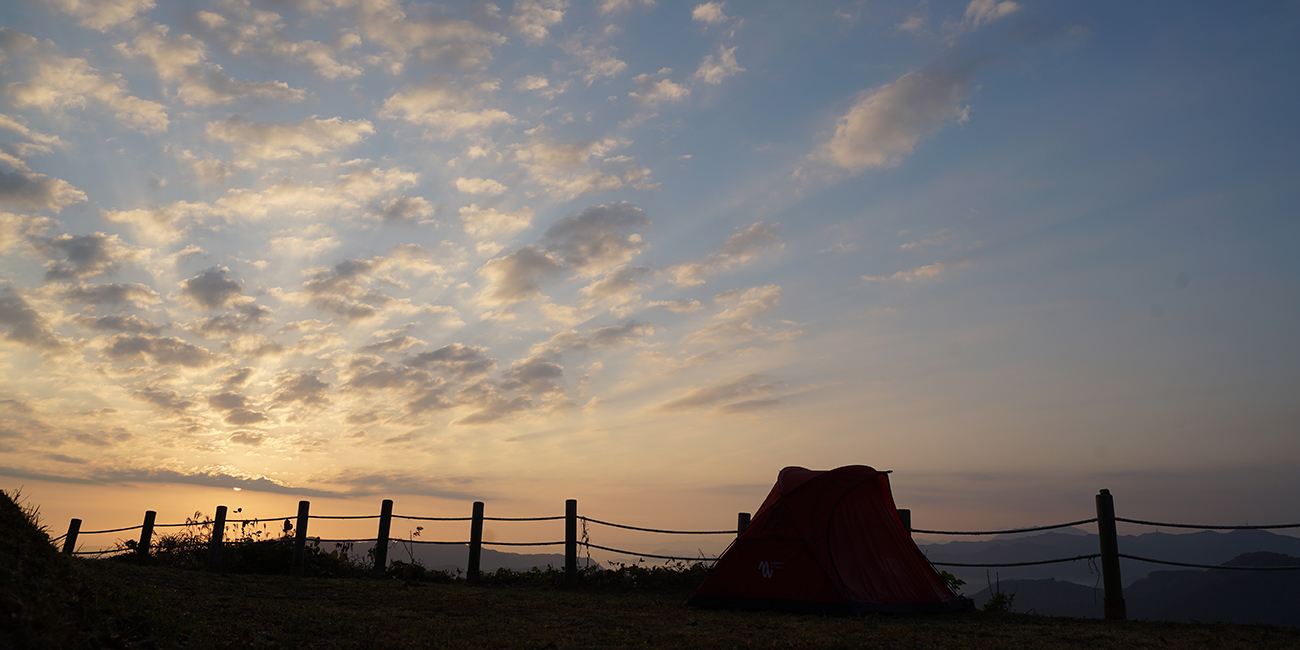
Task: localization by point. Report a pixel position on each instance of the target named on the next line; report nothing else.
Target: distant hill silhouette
(1208, 596)
(1205, 547)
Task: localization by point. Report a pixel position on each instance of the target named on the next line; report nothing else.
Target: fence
(1109, 546)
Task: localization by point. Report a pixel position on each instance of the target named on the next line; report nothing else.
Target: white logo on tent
(768, 568)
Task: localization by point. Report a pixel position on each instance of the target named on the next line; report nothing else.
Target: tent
(827, 542)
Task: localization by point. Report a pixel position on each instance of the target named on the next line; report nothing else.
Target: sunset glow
(645, 254)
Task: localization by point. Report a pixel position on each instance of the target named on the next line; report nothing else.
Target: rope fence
(1012, 564)
(1003, 532)
(1203, 527)
(1106, 520)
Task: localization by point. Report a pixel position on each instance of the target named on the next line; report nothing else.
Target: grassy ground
(201, 610)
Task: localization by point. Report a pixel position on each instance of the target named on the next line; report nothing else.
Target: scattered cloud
(710, 13)
(654, 89)
(713, 69)
(702, 397)
(444, 108)
(182, 60)
(534, 18)
(25, 190)
(102, 15)
(310, 136)
(920, 273)
(982, 12)
(741, 247)
(884, 125)
(480, 186)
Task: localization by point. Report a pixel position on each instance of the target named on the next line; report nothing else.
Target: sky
(645, 254)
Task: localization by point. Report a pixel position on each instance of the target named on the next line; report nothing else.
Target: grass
(257, 611)
(48, 600)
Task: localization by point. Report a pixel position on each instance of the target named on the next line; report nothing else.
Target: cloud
(613, 6)
(983, 12)
(26, 325)
(515, 277)
(19, 228)
(102, 15)
(346, 288)
(713, 70)
(920, 273)
(710, 13)
(183, 60)
(480, 186)
(211, 289)
(597, 61)
(567, 170)
(245, 317)
(740, 248)
(165, 400)
(119, 323)
(117, 293)
(598, 238)
(678, 306)
(361, 185)
(736, 321)
(912, 24)
(620, 284)
(435, 38)
(161, 224)
(58, 83)
(406, 210)
(236, 412)
(289, 141)
(537, 375)
(884, 125)
(534, 18)
(255, 32)
(250, 438)
(300, 387)
(654, 89)
(444, 108)
(23, 190)
(161, 350)
(698, 398)
(86, 255)
(489, 222)
(540, 85)
(601, 337)
(461, 361)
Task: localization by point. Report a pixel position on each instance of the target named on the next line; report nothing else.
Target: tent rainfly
(828, 542)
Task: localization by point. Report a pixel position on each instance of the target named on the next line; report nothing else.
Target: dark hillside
(46, 600)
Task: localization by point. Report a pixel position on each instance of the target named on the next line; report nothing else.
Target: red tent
(827, 542)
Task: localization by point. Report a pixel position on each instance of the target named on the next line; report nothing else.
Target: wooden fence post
(214, 543)
(571, 542)
(381, 544)
(906, 515)
(742, 522)
(1113, 602)
(300, 539)
(146, 535)
(70, 540)
(475, 543)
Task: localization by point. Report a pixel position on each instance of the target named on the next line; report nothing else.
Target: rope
(520, 543)
(340, 541)
(656, 530)
(426, 541)
(1007, 564)
(1207, 566)
(343, 517)
(1004, 532)
(521, 518)
(431, 518)
(113, 530)
(1163, 525)
(56, 539)
(660, 557)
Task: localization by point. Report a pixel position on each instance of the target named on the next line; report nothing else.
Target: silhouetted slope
(46, 600)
